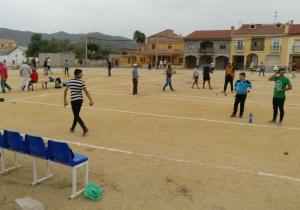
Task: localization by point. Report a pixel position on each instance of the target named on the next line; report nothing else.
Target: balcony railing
(296, 49)
(239, 49)
(206, 51)
(275, 48)
(257, 48)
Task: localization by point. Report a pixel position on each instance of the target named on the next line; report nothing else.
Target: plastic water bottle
(250, 118)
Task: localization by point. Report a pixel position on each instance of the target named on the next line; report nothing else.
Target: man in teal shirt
(282, 84)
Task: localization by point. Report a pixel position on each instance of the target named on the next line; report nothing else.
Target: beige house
(294, 45)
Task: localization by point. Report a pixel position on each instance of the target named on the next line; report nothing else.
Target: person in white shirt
(275, 69)
(25, 72)
(196, 75)
(161, 63)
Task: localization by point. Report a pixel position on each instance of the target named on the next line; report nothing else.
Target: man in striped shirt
(76, 87)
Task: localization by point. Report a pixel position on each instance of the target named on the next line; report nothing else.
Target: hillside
(23, 38)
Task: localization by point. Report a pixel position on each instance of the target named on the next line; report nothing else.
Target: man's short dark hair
(77, 72)
(281, 69)
(243, 74)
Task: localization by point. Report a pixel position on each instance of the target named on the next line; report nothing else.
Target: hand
(66, 103)
(91, 103)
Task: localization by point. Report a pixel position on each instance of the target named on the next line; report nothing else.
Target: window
(278, 25)
(252, 26)
(191, 47)
(273, 59)
(222, 46)
(276, 45)
(240, 45)
(180, 60)
(153, 46)
(170, 47)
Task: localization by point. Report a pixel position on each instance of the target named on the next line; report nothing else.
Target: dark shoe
(72, 130)
(85, 132)
(233, 116)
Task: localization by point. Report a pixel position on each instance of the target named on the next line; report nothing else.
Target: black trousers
(278, 103)
(66, 71)
(239, 100)
(109, 72)
(228, 79)
(76, 107)
(135, 86)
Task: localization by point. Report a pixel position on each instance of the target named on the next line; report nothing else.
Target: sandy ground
(162, 150)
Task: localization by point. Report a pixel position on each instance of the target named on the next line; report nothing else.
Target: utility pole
(86, 49)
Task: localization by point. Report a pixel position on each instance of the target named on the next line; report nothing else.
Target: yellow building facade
(260, 43)
(166, 47)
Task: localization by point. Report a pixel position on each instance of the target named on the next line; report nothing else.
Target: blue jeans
(168, 83)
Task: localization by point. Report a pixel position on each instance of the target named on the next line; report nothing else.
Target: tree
(139, 37)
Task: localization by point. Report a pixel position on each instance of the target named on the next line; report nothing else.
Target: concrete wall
(58, 59)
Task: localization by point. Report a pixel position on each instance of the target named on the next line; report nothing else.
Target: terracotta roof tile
(209, 35)
(260, 30)
(294, 29)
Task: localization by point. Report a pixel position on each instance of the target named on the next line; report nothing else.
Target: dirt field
(162, 150)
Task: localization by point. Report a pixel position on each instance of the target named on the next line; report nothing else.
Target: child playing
(242, 88)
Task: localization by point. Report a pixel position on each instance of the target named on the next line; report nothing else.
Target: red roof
(294, 29)
(260, 30)
(209, 35)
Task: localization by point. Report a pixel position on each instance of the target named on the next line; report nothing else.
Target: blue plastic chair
(38, 150)
(12, 141)
(61, 153)
(3, 142)
(15, 142)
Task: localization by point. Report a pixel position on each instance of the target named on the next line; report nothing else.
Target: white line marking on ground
(186, 98)
(173, 116)
(167, 158)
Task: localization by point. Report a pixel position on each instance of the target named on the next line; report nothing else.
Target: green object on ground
(93, 192)
(1, 99)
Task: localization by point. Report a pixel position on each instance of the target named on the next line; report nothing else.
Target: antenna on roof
(276, 16)
(239, 23)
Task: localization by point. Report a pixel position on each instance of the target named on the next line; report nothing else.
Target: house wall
(291, 52)
(216, 45)
(15, 58)
(262, 55)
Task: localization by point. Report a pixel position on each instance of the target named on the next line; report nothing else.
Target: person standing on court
(196, 75)
(229, 77)
(169, 74)
(206, 76)
(109, 66)
(294, 67)
(262, 69)
(76, 86)
(66, 68)
(135, 78)
(242, 88)
(25, 72)
(4, 77)
(282, 84)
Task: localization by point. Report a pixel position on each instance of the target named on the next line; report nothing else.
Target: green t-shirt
(280, 85)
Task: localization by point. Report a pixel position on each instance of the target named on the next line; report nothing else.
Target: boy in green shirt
(282, 84)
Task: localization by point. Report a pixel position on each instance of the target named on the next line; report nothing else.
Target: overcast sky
(122, 17)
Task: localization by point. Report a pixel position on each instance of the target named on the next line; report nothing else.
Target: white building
(14, 57)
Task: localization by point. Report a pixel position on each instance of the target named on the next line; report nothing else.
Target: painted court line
(177, 160)
(187, 98)
(173, 117)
